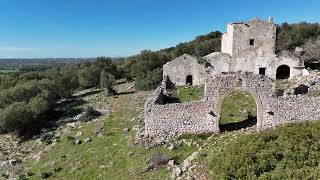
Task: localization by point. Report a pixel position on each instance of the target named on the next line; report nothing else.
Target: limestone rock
(87, 140)
(78, 141)
(176, 172)
(171, 162)
(79, 134)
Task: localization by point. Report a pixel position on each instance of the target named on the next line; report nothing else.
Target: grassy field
(113, 156)
(236, 107)
(189, 93)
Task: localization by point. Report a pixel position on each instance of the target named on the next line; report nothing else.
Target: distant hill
(40, 63)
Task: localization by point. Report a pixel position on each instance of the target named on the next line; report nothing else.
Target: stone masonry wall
(169, 120)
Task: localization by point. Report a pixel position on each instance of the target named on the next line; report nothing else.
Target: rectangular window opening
(251, 42)
(262, 71)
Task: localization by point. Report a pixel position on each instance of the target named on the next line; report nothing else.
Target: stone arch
(259, 106)
(283, 72)
(189, 80)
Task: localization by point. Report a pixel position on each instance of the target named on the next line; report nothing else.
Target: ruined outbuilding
(247, 63)
(245, 47)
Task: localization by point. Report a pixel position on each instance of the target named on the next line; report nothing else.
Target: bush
(290, 152)
(150, 81)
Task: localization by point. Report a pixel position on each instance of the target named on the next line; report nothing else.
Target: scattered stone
(126, 130)
(13, 162)
(188, 161)
(171, 162)
(79, 134)
(131, 153)
(102, 167)
(87, 140)
(73, 125)
(176, 172)
(78, 141)
(47, 137)
(136, 128)
(172, 147)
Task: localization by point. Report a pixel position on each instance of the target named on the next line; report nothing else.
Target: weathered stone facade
(179, 69)
(254, 38)
(245, 47)
(169, 120)
(248, 63)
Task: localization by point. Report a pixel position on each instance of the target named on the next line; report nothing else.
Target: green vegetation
(290, 152)
(150, 81)
(237, 107)
(27, 99)
(290, 36)
(287, 152)
(4, 72)
(112, 156)
(281, 86)
(189, 93)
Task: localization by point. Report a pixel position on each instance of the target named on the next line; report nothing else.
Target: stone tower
(254, 38)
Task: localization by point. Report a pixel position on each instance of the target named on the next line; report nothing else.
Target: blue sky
(90, 28)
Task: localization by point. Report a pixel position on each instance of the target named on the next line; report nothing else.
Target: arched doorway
(238, 109)
(189, 80)
(283, 72)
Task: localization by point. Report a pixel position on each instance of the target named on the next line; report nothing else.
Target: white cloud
(15, 49)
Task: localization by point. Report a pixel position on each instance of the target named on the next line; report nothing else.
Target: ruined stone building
(247, 63)
(245, 47)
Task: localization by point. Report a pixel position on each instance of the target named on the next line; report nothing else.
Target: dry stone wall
(169, 120)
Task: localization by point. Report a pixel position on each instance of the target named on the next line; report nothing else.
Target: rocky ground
(309, 85)
(14, 150)
(110, 145)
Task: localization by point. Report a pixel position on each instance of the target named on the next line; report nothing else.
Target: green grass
(108, 157)
(236, 107)
(189, 93)
(281, 86)
(288, 152)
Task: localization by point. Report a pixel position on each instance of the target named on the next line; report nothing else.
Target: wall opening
(301, 89)
(189, 80)
(239, 83)
(283, 72)
(251, 42)
(262, 71)
(238, 110)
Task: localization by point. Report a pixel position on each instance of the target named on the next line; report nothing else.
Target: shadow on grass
(125, 93)
(49, 120)
(251, 121)
(170, 100)
(90, 93)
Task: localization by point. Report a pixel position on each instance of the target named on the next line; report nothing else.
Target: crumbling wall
(292, 109)
(203, 116)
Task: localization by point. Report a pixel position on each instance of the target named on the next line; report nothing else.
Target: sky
(119, 28)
